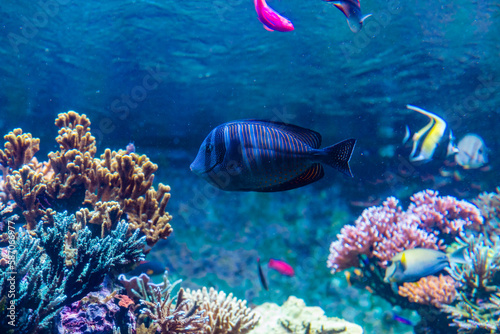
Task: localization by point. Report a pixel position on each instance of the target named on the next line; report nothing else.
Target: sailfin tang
(310, 137)
(312, 174)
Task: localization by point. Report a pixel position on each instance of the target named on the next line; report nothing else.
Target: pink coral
(446, 213)
(383, 231)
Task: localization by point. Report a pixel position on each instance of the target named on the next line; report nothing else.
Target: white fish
(473, 153)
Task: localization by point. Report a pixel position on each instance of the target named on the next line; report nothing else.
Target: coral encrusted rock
(295, 317)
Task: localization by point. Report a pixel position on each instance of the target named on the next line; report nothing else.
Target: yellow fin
(403, 260)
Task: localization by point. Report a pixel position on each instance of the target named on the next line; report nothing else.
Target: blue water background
(164, 73)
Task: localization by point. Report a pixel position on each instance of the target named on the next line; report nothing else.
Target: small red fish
(282, 267)
(270, 18)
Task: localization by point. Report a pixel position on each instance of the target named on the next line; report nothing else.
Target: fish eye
(389, 263)
(209, 148)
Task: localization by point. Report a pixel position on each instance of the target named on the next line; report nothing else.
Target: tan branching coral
(430, 290)
(19, 149)
(106, 214)
(26, 187)
(227, 314)
(116, 186)
(75, 157)
(148, 214)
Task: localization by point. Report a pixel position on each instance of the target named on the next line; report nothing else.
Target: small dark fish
(263, 280)
(352, 11)
(148, 267)
(433, 140)
(254, 155)
(402, 320)
(192, 310)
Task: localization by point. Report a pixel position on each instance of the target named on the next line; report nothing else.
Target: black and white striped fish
(255, 155)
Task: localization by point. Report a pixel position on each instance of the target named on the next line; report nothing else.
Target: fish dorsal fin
(403, 260)
(310, 137)
(312, 174)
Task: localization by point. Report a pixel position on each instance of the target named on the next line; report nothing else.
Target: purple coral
(96, 314)
(383, 231)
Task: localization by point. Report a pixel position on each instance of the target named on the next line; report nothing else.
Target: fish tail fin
(338, 156)
(458, 256)
(407, 134)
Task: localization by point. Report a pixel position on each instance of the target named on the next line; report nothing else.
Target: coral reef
(382, 232)
(166, 314)
(431, 221)
(226, 313)
(118, 185)
(97, 312)
(199, 311)
(50, 276)
(489, 204)
(83, 217)
(478, 303)
(295, 317)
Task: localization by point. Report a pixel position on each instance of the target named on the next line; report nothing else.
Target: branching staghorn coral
(478, 304)
(169, 315)
(227, 314)
(48, 281)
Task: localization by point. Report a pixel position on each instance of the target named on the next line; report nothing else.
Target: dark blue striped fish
(255, 155)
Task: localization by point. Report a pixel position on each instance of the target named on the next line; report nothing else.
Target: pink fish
(352, 11)
(282, 267)
(270, 18)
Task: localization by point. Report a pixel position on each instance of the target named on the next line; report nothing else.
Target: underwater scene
(239, 166)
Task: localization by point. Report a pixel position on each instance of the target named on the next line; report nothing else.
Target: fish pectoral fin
(312, 174)
(267, 28)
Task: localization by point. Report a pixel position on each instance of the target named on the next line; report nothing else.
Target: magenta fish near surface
(265, 156)
(271, 19)
(352, 11)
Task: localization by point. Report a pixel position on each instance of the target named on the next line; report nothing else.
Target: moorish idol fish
(255, 155)
(412, 264)
(270, 18)
(472, 152)
(433, 140)
(352, 11)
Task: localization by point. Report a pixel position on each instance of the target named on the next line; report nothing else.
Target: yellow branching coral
(77, 150)
(116, 186)
(227, 314)
(26, 187)
(430, 290)
(106, 214)
(19, 149)
(148, 214)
